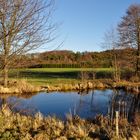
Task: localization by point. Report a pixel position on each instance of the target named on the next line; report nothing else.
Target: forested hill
(66, 58)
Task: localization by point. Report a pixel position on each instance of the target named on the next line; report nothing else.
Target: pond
(86, 105)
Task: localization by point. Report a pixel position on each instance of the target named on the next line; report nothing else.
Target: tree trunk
(5, 73)
(138, 61)
(137, 72)
(116, 68)
(138, 64)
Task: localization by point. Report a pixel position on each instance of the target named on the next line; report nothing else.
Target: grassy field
(65, 69)
(42, 76)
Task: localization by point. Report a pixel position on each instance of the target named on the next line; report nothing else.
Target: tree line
(70, 59)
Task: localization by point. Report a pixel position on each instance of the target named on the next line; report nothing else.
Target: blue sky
(84, 22)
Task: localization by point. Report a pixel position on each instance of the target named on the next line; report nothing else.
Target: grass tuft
(20, 86)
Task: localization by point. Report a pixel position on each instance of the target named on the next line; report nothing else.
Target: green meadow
(43, 76)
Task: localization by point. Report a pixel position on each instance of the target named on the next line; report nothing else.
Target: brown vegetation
(133, 87)
(19, 87)
(23, 87)
(70, 59)
(15, 126)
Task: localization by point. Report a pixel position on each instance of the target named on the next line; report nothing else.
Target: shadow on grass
(40, 75)
(65, 75)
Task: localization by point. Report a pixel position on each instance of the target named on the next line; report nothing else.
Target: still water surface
(86, 105)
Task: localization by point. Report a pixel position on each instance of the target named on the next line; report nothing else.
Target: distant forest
(70, 59)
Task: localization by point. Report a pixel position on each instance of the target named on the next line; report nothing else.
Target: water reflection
(128, 105)
(86, 105)
(95, 102)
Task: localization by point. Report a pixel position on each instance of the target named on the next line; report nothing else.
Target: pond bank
(16, 126)
(22, 86)
(96, 84)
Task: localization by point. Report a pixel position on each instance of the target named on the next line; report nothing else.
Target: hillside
(70, 59)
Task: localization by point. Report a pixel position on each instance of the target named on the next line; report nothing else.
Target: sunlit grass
(53, 76)
(50, 81)
(65, 69)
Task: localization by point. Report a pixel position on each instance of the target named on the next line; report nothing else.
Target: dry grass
(20, 86)
(80, 86)
(24, 87)
(15, 126)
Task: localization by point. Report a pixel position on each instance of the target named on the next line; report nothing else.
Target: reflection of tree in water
(90, 105)
(18, 104)
(126, 104)
(83, 103)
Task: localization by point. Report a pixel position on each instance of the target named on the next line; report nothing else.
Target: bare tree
(111, 43)
(24, 25)
(129, 30)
